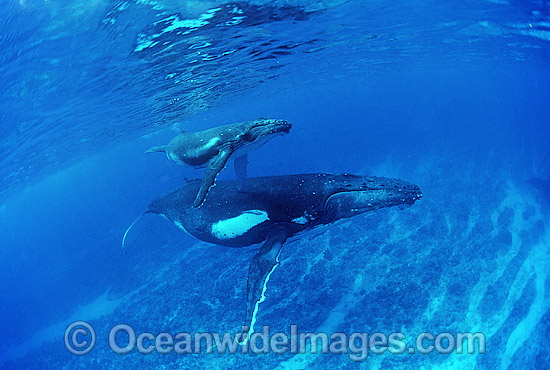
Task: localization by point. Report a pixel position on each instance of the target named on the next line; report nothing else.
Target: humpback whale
(273, 209)
(213, 147)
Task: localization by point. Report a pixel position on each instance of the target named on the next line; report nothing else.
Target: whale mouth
(284, 126)
(279, 128)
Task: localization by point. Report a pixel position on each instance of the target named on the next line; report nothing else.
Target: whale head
(351, 195)
(264, 129)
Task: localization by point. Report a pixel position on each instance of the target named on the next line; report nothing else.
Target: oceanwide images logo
(80, 339)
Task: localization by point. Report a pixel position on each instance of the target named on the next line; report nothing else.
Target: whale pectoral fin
(240, 169)
(261, 267)
(154, 149)
(214, 167)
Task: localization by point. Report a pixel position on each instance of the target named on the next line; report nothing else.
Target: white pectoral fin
(214, 167)
(261, 267)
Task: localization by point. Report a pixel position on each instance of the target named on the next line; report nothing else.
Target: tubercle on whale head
(353, 195)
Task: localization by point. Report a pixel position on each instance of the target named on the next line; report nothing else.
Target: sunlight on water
(170, 78)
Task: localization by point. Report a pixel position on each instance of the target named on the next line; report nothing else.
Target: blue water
(452, 96)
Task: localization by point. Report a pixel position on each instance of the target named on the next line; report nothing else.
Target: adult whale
(213, 147)
(273, 209)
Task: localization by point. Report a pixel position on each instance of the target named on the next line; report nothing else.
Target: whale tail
(154, 149)
(128, 230)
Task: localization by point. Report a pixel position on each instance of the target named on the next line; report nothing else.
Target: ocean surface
(453, 96)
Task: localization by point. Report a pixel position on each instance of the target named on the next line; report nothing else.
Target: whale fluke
(128, 229)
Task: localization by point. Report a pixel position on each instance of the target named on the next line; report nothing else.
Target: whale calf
(273, 209)
(213, 147)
